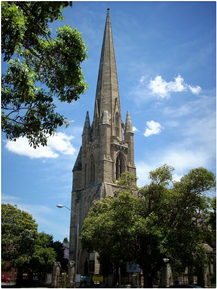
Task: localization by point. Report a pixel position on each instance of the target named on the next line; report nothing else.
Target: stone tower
(107, 150)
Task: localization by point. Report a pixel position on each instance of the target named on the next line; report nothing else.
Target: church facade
(107, 151)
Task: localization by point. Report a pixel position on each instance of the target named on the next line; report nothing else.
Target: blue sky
(166, 63)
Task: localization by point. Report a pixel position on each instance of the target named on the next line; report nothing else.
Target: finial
(128, 125)
(108, 9)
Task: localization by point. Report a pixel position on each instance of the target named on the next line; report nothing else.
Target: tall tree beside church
(18, 234)
(161, 222)
(44, 254)
(35, 60)
(212, 215)
(24, 247)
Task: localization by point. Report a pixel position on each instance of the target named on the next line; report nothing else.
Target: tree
(163, 221)
(212, 215)
(36, 60)
(59, 249)
(24, 247)
(44, 254)
(65, 240)
(177, 220)
(18, 233)
(127, 181)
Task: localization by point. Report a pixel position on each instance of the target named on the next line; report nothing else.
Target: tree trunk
(19, 276)
(200, 277)
(148, 280)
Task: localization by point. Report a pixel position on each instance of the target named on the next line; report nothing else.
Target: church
(107, 151)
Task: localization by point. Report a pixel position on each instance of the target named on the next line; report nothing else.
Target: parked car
(5, 279)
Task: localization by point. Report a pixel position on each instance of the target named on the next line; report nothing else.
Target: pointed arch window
(85, 174)
(117, 129)
(120, 165)
(85, 208)
(92, 169)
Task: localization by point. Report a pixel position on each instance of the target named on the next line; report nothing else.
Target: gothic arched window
(92, 169)
(117, 130)
(85, 173)
(120, 165)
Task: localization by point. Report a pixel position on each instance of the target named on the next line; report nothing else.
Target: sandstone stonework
(107, 149)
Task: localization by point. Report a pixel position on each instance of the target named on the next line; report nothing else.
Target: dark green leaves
(160, 221)
(35, 60)
(44, 255)
(13, 28)
(23, 246)
(18, 232)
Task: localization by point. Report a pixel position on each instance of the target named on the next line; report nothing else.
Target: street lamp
(76, 261)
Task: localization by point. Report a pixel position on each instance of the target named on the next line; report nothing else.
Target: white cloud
(177, 85)
(177, 178)
(195, 90)
(9, 199)
(162, 89)
(143, 78)
(196, 122)
(176, 112)
(31, 208)
(60, 142)
(22, 147)
(135, 129)
(158, 86)
(192, 140)
(153, 128)
(144, 168)
(39, 213)
(183, 160)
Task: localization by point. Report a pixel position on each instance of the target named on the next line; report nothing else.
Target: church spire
(107, 92)
(86, 129)
(128, 125)
(105, 152)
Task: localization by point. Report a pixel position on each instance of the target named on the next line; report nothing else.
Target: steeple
(107, 92)
(105, 152)
(86, 129)
(129, 139)
(128, 125)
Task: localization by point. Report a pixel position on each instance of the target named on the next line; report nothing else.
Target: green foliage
(161, 175)
(59, 249)
(213, 280)
(65, 240)
(46, 252)
(127, 181)
(35, 59)
(44, 255)
(18, 233)
(23, 246)
(212, 215)
(161, 222)
(108, 216)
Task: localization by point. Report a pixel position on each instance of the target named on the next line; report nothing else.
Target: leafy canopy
(39, 67)
(18, 232)
(44, 255)
(159, 222)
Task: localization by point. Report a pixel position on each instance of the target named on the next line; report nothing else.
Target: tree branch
(22, 7)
